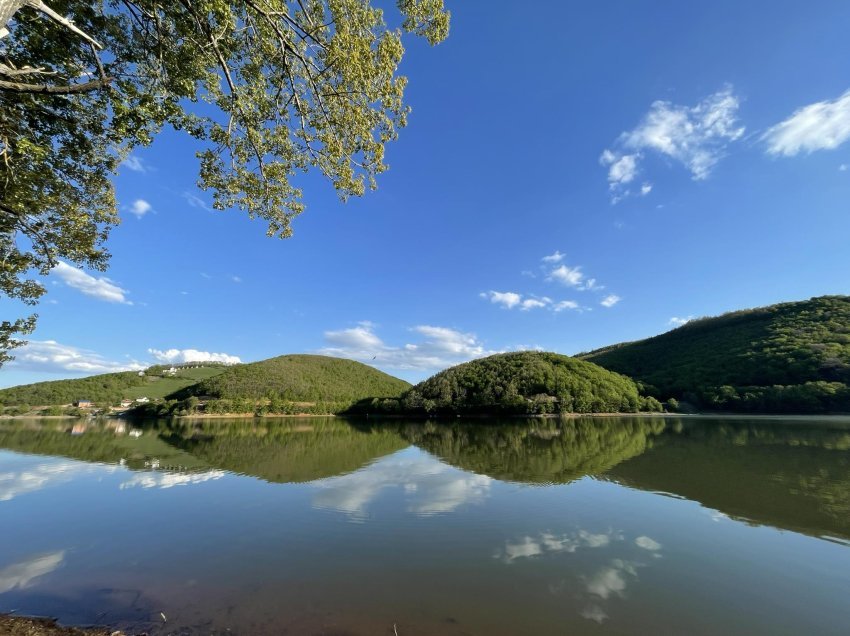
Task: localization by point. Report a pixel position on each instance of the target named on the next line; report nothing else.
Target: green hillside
(301, 378)
(786, 358)
(522, 383)
(108, 388)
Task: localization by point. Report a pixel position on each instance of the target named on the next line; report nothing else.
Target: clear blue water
(587, 526)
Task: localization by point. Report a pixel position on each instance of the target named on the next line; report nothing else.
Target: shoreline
(12, 625)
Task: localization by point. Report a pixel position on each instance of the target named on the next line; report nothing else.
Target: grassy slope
(788, 344)
(104, 389)
(301, 378)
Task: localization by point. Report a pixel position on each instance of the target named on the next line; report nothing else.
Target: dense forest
(522, 383)
(786, 358)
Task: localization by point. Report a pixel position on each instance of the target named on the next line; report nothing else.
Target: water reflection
(639, 524)
(548, 542)
(22, 575)
(427, 486)
(22, 478)
(283, 450)
(538, 451)
(787, 474)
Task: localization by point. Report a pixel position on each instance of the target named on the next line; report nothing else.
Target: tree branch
(17, 87)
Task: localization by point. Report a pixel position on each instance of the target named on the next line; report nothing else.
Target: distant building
(126, 403)
(142, 400)
(83, 404)
(141, 374)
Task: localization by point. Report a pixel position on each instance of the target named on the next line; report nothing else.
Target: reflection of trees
(283, 450)
(98, 443)
(538, 451)
(783, 474)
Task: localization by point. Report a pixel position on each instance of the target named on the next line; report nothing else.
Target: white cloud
(508, 300)
(695, 136)
(622, 169)
(100, 288)
(820, 126)
(357, 338)
(196, 202)
(236, 279)
(843, 167)
(675, 321)
(565, 304)
(511, 300)
(438, 347)
(569, 276)
(535, 303)
(21, 575)
(172, 356)
(135, 163)
(557, 257)
(140, 207)
(610, 300)
(49, 356)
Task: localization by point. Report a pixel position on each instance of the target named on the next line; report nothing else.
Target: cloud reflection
(647, 544)
(598, 589)
(35, 477)
(21, 575)
(611, 580)
(170, 480)
(429, 486)
(548, 542)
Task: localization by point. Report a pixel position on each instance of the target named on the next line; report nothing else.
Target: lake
(649, 525)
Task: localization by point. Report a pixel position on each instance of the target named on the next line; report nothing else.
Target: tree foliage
(523, 383)
(786, 358)
(269, 89)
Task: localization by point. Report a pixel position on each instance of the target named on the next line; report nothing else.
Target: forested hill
(522, 383)
(786, 358)
(301, 378)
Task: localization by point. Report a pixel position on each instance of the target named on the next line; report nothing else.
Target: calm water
(588, 526)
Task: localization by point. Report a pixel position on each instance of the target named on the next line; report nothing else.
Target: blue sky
(670, 159)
